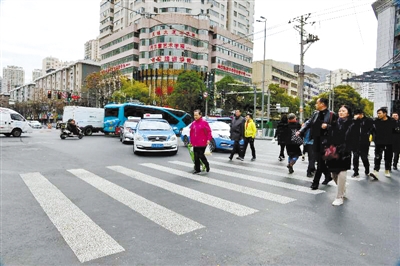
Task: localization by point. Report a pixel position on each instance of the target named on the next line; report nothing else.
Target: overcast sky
(31, 30)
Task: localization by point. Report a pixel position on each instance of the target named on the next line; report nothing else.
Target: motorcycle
(65, 133)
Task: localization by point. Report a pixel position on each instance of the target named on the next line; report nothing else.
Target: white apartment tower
(13, 77)
(92, 50)
(155, 40)
(36, 73)
(50, 63)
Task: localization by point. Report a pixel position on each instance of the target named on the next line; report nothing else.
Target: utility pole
(310, 39)
(264, 20)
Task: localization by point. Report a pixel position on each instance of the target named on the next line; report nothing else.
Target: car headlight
(173, 138)
(139, 138)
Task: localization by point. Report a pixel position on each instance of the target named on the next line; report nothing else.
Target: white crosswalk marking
(212, 201)
(86, 239)
(254, 178)
(168, 219)
(242, 189)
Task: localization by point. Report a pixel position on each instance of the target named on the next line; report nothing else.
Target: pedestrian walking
(237, 134)
(362, 126)
(396, 140)
(279, 135)
(384, 127)
(250, 131)
(340, 136)
(200, 137)
(308, 148)
(319, 124)
(292, 141)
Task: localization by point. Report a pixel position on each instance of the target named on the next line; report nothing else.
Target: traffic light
(49, 94)
(59, 95)
(69, 97)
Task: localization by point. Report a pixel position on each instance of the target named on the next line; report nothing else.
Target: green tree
(188, 92)
(279, 95)
(346, 95)
(131, 90)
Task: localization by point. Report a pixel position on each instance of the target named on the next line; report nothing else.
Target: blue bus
(116, 114)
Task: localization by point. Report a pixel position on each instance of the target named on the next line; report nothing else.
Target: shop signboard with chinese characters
(234, 71)
(173, 32)
(166, 45)
(115, 68)
(173, 59)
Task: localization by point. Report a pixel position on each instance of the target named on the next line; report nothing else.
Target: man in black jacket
(383, 139)
(237, 134)
(363, 126)
(319, 124)
(396, 140)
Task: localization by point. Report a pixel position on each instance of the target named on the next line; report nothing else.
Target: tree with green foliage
(188, 92)
(279, 95)
(346, 95)
(131, 91)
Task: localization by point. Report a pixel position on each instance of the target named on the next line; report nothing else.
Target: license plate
(156, 145)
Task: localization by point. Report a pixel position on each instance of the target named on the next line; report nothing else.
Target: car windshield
(154, 125)
(219, 126)
(131, 124)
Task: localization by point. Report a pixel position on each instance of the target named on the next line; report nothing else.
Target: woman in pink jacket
(200, 136)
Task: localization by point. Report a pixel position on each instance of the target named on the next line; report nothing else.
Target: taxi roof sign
(134, 118)
(152, 116)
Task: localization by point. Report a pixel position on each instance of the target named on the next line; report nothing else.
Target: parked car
(35, 124)
(128, 129)
(220, 132)
(154, 134)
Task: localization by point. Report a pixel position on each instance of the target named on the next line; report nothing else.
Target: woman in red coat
(200, 137)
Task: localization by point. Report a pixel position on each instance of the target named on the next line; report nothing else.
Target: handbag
(330, 153)
(296, 139)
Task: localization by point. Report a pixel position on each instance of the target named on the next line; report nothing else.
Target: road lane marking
(86, 239)
(253, 178)
(242, 189)
(204, 198)
(162, 216)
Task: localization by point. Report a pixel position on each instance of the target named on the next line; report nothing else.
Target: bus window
(111, 112)
(187, 119)
(171, 120)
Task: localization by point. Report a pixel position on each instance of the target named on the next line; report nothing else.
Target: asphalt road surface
(93, 202)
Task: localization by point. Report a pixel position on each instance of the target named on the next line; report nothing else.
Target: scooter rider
(71, 126)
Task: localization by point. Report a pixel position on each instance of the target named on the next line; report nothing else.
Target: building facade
(13, 76)
(367, 91)
(92, 51)
(36, 73)
(23, 93)
(50, 63)
(154, 41)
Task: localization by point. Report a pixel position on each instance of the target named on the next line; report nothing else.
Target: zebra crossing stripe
(242, 189)
(162, 216)
(254, 178)
(204, 198)
(86, 239)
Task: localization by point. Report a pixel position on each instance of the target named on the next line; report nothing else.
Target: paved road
(92, 201)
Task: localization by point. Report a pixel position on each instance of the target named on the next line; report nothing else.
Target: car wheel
(212, 146)
(185, 141)
(16, 133)
(88, 131)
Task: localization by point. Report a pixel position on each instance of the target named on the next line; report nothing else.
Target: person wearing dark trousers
(292, 147)
(396, 140)
(319, 124)
(200, 137)
(279, 134)
(308, 147)
(363, 126)
(237, 134)
(250, 131)
(383, 138)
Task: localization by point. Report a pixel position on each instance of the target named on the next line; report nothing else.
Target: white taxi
(154, 134)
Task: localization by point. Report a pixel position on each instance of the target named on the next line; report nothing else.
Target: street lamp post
(263, 19)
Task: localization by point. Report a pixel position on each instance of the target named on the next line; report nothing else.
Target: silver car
(127, 131)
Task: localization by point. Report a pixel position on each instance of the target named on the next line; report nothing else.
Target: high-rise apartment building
(50, 63)
(153, 41)
(36, 73)
(13, 77)
(92, 50)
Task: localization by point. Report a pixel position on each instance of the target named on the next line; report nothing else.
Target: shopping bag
(208, 150)
(191, 153)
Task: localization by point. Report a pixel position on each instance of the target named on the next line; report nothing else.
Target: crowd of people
(332, 142)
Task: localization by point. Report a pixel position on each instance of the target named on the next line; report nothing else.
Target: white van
(12, 123)
(89, 119)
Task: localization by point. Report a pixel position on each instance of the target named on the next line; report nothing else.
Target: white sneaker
(387, 173)
(337, 202)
